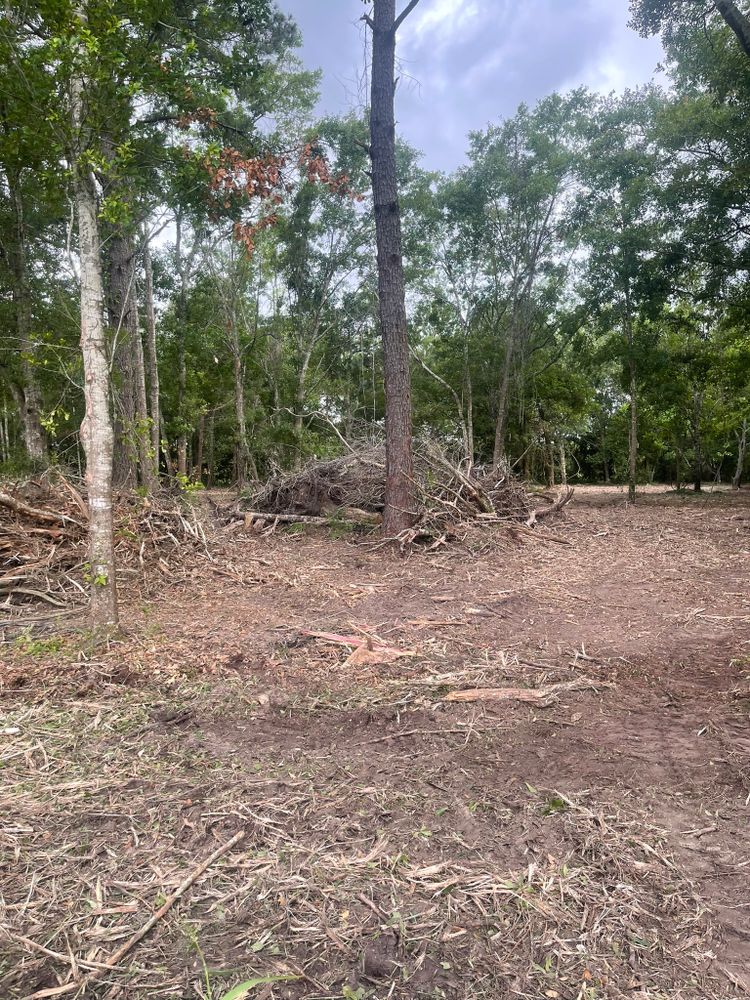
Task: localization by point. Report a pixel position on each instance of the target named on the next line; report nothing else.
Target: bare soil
(397, 844)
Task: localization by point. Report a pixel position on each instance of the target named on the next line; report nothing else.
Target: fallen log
(542, 696)
(256, 519)
(353, 514)
(47, 517)
(535, 696)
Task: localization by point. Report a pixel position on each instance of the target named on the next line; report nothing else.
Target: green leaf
(241, 991)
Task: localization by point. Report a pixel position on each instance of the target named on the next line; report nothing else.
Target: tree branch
(404, 14)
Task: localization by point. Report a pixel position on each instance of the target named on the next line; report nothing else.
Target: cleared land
(586, 839)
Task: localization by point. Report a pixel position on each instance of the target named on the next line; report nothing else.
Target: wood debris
(541, 696)
(44, 543)
(351, 489)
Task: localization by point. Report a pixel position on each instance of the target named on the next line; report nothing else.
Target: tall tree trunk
(741, 453)
(4, 438)
(245, 466)
(605, 457)
(210, 472)
(399, 509)
(563, 465)
(181, 316)
(31, 410)
(299, 399)
(498, 452)
(299, 419)
(469, 401)
(168, 464)
(633, 435)
(97, 434)
(145, 462)
(181, 393)
(737, 21)
(123, 319)
(198, 474)
(697, 442)
(550, 462)
(633, 431)
(528, 464)
(151, 360)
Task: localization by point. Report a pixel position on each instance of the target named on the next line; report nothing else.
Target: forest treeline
(577, 291)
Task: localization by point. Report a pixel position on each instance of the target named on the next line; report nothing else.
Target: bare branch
(404, 14)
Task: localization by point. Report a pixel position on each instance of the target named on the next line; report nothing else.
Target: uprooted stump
(351, 488)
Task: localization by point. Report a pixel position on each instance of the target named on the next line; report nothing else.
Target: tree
(24, 191)
(523, 170)
(108, 92)
(324, 241)
(627, 233)
(97, 433)
(650, 16)
(399, 492)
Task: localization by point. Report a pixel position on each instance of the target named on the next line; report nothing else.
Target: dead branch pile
(352, 487)
(44, 549)
(353, 480)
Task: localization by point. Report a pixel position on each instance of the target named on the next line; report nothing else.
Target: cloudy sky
(464, 63)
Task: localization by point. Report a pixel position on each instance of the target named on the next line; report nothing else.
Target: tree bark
(633, 435)
(151, 360)
(469, 397)
(605, 458)
(245, 465)
(697, 442)
(563, 465)
(31, 408)
(164, 444)
(123, 320)
(210, 456)
(632, 371)
(181, 353)
(145, 462)
(97, 434)
(4, 436)
(550, 462)
(198, 470)
(737, 21)
(498, 452)
(741, 453)
(399, 509)
(299, 399)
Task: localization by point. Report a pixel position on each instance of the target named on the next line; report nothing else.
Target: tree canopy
(576, 292)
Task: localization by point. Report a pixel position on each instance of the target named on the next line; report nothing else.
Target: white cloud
(626, 61)
(439, 24)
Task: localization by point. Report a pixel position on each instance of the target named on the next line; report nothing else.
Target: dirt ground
(395, 843)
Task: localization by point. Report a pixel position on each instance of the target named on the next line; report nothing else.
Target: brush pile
(44, 542)
(352, 487)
